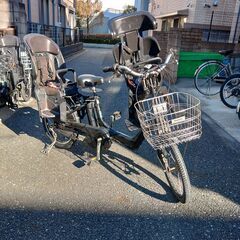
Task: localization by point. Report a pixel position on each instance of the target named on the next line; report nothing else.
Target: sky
(117, 4)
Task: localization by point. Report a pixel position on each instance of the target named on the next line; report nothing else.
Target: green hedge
(101, 40)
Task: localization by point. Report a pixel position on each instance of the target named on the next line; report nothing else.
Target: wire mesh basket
(170, 119)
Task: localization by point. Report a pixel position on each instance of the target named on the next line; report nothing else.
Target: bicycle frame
(98, 128)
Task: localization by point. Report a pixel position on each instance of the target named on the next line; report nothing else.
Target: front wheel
(230, 91)
(176, 172)
(208, 76)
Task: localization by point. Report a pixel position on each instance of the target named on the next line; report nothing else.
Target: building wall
(160, 7)
(4, 12)
(34, 11)
(99, 23)
(70, 15)
(198, 14)
(13, 18)
(53, 12)
(163, 7)
(235, 28)
(223, 13)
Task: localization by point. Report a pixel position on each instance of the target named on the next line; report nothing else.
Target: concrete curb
(223, 128)
(95, 45)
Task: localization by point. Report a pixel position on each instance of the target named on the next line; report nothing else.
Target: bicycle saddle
(225, 52)
(88, 80)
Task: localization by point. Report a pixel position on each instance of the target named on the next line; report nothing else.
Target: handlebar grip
(108, 69)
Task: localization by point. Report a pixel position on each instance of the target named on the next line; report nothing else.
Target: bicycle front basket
(170, 119)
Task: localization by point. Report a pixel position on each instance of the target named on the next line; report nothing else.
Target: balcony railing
(62, 36)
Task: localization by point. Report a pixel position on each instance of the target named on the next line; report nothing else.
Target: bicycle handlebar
(117, 67)
(125, 69)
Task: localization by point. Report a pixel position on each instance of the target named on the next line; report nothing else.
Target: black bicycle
(67, 112)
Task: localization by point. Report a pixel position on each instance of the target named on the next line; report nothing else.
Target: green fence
(189, 62)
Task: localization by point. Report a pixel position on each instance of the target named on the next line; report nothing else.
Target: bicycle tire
(183, 194)
(70, 140)
(234, 82)
(208, 75)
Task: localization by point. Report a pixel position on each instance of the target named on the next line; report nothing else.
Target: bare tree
(86, 10)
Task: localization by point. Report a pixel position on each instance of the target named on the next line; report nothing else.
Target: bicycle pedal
(130, 126)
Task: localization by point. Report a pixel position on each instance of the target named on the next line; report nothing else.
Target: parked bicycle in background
(230, 91)
(212, 73)
(15, 72)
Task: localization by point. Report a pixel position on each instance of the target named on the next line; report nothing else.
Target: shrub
(100, 39)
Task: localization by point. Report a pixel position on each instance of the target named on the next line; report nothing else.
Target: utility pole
(236, 27)
(214, 4)
(210, 27)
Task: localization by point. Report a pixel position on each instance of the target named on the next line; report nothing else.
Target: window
(164, 25)
(59, 14)
(44, 12)
(176, 23)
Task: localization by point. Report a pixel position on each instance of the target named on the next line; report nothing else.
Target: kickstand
(98, 157)
(48, 147)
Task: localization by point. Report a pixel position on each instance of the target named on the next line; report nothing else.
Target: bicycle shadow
(134, 174)
(126, 170)
(24, 120)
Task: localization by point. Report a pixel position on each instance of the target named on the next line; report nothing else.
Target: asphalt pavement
(126, 196)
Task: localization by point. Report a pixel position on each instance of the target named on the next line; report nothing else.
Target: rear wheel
(65, 139)
(176, 172)
(230, 91)
(208, 77)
